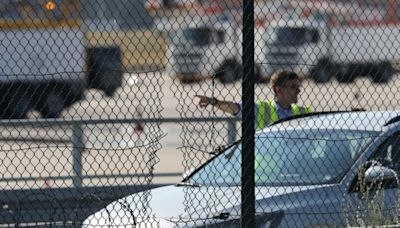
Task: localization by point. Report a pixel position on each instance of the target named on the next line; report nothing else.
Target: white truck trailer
(45, 64)
(321, 51)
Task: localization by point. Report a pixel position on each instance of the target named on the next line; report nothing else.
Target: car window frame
(353, 187)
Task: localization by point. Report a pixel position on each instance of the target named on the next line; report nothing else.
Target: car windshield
(283, 158)
(289, 36)
(198, 36)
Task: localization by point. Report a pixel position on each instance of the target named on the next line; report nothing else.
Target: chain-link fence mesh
(102, 101)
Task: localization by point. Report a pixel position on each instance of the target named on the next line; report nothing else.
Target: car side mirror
(379, 176)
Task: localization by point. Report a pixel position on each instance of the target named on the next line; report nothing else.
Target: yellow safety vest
(273, 115)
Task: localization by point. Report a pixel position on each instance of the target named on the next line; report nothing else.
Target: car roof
(353, 120)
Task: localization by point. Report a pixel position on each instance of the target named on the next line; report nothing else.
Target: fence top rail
(69, 122)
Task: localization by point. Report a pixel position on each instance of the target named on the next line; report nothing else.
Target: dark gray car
(321, 170)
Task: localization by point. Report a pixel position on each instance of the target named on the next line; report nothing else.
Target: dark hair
(281, 76)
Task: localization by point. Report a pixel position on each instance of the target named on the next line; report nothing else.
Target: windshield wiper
(187, 184)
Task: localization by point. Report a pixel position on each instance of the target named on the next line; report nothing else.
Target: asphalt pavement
(120, 153)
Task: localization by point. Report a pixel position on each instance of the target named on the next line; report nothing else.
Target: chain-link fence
(103, 101)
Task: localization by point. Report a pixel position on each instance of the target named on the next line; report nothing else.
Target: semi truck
(205, 40)
(45, 63)
(363, 44)
(319, 49)
(213, 49)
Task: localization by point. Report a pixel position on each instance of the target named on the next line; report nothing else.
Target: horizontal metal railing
(77, 140)
(21, 206)
(71, 122)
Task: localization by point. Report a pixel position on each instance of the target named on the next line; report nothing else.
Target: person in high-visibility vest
(286, 87)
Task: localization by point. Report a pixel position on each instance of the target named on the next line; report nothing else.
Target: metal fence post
(77, 149)
(248, 182)
(231, 132)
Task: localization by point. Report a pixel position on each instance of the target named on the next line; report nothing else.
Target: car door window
(378, 198)
(388, 153)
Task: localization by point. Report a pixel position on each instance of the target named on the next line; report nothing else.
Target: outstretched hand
(204, 100)
(223, 105)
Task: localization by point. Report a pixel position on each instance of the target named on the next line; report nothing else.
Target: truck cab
(296, 45)
(320, 48)
(212, 49)
(199, 50)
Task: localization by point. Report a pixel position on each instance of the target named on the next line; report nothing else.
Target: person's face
(289, 91)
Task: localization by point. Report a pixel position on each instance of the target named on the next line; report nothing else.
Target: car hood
(170, 205)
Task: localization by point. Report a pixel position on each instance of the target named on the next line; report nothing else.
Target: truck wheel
(383, 73)
(322, 72)
(230, 71)
(104, 69)
(346, 75)
(343, 77)
(259, 76)
(22, 108)
(52, 106)
(52, 98)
